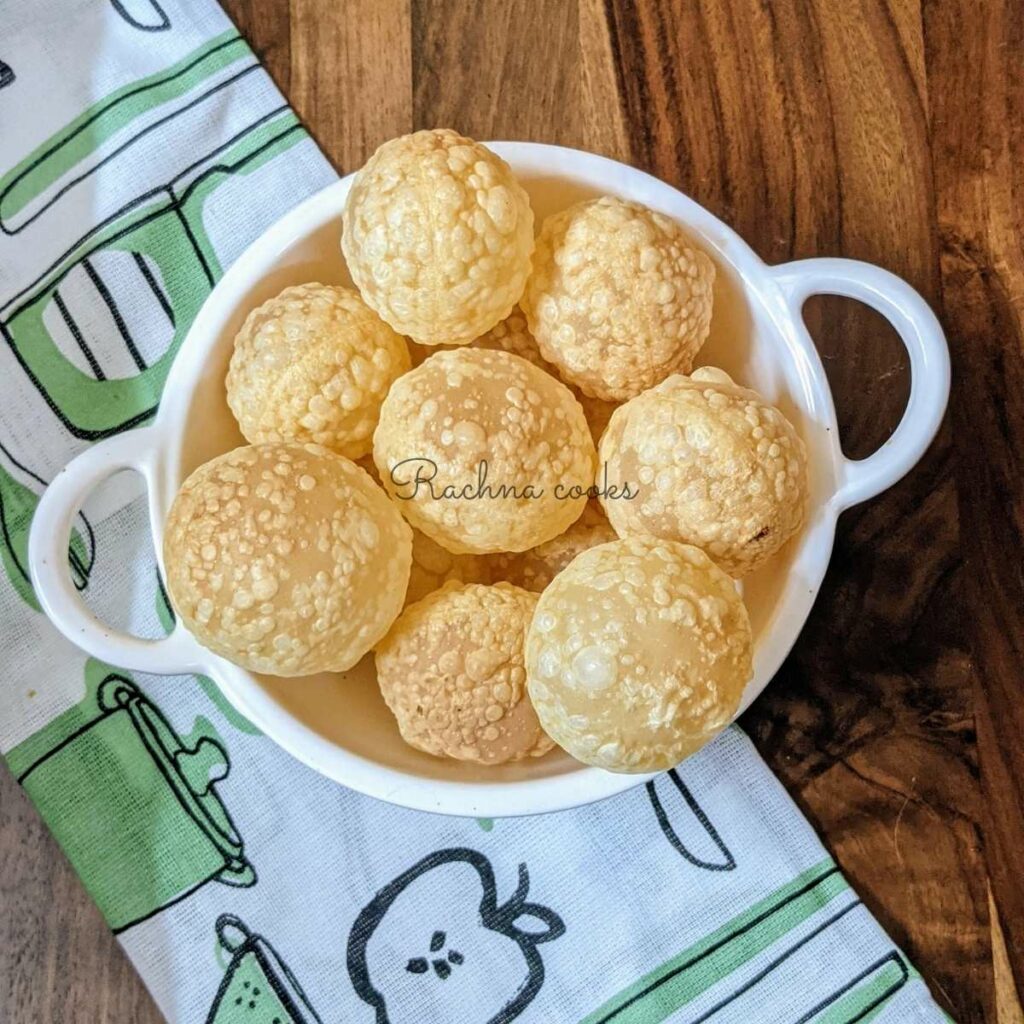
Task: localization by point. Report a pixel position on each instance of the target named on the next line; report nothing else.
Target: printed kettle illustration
(258, 987)
(435, 940)
(134, 808)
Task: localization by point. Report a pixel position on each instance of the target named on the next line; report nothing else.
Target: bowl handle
(922, 336)
(176, 654)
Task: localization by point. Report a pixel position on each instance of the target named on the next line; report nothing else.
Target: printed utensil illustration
(258, 987)
(135, 809)
(145, 15)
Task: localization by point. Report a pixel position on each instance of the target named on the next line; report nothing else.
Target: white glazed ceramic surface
(339, 725)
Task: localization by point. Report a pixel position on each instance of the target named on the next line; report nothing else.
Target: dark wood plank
(267, 29)
(974, 52)
(498, 69)
(351, 74)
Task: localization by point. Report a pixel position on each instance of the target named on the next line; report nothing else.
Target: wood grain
(978, 153)
(351, 74)
(885, 130)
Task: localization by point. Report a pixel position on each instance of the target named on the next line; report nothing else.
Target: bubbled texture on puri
(715, 466)
(286, 559)
(618, 299)
(433, 566)
(451, 670)
(468, 406)
(513, 335)
(438, 236)
(314, 364)
(534, 569)
(638, 654)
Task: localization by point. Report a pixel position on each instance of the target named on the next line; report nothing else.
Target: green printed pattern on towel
(87, 132)
(682, 979)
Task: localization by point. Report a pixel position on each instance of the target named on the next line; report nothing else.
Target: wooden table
(890, 132)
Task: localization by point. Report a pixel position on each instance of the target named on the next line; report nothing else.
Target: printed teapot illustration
(435, 940)
(133, 806)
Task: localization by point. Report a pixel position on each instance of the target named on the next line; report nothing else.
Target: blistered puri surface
(286, 559)
(438, 235)
(638, 654)
(463, 408)
(715, 465)
(452, 671)
(619, 298)
(314, 364)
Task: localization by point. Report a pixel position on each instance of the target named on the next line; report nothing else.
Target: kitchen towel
(142, 147)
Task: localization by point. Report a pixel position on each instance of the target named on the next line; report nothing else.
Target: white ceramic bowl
(340, 725)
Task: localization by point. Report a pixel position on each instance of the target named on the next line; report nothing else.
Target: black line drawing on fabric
(127, 144)
(115, 311)
(776, 963)
(678, 814)
(157, 224)
(467, 934)
(133, 804)
(258, 987)
(691, 967)
(7, 75)
(18, 502)
(107, 296)
(862, 1011)
(145, 15)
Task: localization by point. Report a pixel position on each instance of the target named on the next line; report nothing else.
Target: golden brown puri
(438, 236)
(286, 559)
(638, 654)
(314, 364)
(463, 408)
(451, 669)
(513, 335)
(715, 464)
(618, 298)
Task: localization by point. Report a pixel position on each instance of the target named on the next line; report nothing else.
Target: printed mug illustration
(97, 331)
(435, 940)
(145, 15)
(132, 803)
(258, 987)
(17, 506)
(679, 815)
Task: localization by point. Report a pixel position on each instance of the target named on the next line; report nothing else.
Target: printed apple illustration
(435, 941)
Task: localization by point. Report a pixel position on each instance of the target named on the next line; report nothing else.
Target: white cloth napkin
(141, 149)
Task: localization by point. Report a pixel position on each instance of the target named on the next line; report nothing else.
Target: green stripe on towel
(678, 981)
(86, 133)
